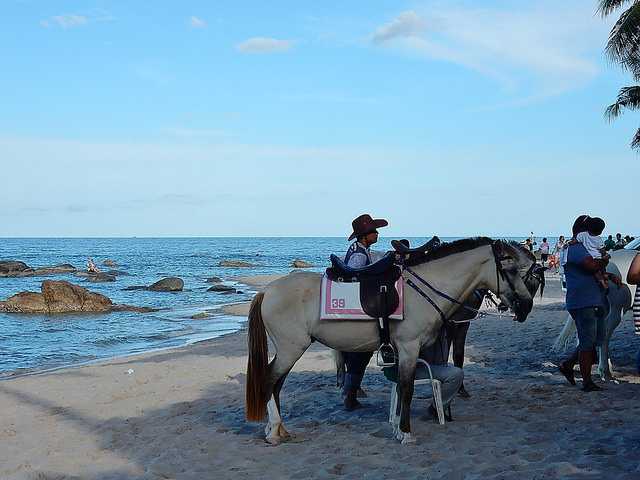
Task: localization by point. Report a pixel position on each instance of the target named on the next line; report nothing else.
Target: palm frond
(628, 97)
(635, 143)
(608, 6)
(624, 39)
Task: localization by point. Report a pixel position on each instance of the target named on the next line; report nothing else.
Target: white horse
(620, 300)
(289, 310)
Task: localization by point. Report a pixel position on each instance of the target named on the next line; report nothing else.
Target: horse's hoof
(283, 433)
(273, 440)
(463, 393)
(407, 438)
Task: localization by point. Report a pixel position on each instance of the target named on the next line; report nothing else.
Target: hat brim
(377, 223)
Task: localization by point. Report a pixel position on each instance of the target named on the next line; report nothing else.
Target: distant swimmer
(91, 266)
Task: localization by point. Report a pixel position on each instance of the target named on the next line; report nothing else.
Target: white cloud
(196, 22)
(544, 48)
(195, 132)
(407, 24)
(68, 20)
(264, 45)
(72, 20)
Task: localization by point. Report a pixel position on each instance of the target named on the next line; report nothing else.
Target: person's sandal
(591, 387)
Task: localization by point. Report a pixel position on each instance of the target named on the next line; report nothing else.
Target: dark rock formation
(170, 284)
(214, 280)
(7, 266)
(221, 288)
(235, 264)
(20, 269)
(110, 263)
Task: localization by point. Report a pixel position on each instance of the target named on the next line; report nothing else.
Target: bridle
(533, 272)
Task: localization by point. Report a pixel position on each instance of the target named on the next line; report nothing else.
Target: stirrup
(386, 356)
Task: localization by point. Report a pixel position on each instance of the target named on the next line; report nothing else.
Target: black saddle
(409, 254)
(403, 247)
(340, 272)
(378, 294)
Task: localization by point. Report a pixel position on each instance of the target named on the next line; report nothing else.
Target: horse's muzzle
(521, 309)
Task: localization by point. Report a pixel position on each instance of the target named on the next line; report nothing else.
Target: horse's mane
(463, 245)
(448, 248)
(521, 248)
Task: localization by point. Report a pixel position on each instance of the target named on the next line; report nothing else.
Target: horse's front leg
(407, 357)
(459, 340)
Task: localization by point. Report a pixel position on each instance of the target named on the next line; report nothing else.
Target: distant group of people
(618, 243)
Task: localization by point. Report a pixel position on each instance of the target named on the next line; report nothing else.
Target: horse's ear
(499, 247)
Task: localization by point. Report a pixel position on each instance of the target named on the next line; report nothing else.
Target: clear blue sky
(291, 118)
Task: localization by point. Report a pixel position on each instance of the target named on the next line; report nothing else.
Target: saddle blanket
(341, 301)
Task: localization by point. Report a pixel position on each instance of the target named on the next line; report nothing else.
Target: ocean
(36, 342)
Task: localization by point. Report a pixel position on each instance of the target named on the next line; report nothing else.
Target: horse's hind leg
(279, 368)
(408, 355)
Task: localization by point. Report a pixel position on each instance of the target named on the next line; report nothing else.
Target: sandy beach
(178, 414)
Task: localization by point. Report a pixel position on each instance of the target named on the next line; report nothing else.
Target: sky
(253, 118)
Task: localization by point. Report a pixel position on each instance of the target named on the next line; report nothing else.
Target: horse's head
(517, 277)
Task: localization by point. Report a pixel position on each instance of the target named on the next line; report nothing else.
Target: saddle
(378, 294)
(403, 247)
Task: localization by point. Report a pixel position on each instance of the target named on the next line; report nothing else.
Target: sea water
(35, 342)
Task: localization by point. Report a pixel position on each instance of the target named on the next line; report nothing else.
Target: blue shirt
(583, 290)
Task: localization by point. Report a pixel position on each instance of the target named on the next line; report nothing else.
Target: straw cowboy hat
(365, 224)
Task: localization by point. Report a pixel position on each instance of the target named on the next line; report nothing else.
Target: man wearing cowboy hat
(365, 231)
(358, 255)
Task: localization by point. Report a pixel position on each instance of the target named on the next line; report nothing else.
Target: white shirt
(544, 248)
(592, 243)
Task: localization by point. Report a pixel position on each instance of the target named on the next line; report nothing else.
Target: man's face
(371, 238)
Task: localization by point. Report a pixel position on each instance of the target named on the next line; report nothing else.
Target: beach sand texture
(179, 414)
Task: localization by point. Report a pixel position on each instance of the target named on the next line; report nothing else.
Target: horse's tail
(565, 336)
(255, 401)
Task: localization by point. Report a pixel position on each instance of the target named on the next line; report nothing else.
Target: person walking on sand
(544, 251)
(586, 304)
(557, 251)
(365, 232)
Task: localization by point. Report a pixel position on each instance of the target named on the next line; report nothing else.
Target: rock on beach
(221, 288)
(301, 264)
(13, 268)
(59, 296)
(169, 284)
(97, 277)
(8, 266)
(235, 264)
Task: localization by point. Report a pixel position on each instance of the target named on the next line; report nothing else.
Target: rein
(445, 319)
(479, 314)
